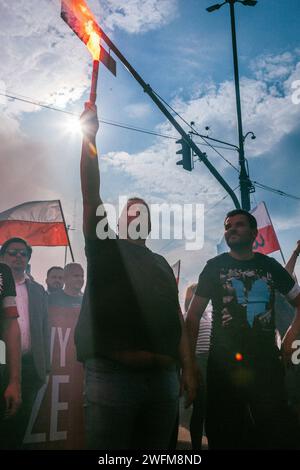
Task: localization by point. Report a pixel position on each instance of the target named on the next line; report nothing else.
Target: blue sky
(185, 54)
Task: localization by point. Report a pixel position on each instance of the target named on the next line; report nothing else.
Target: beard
(238, 244)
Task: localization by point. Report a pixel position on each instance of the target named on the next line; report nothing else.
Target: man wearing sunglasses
(33, 321)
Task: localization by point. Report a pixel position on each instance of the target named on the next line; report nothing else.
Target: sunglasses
(15, 252)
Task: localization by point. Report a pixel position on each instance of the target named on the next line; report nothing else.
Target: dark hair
(52, 268)
(8, 242)
(139, 199)
(251, 219)
(69, 266)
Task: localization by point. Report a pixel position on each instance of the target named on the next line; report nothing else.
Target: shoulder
(36, 287)
(5, 269)
(268, 261)
(97, 245)
(218, 260)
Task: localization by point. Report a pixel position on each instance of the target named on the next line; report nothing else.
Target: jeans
(127, 408)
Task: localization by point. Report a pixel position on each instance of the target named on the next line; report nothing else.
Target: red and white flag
(40, 223)
(176, 270)
(266, 240)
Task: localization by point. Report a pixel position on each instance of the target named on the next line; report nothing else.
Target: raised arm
(89, 170)
(12, 339)
(290, 265)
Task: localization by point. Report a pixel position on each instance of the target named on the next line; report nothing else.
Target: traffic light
(186, 153)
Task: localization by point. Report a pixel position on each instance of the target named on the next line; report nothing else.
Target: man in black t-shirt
(246, 398)
(130, 333)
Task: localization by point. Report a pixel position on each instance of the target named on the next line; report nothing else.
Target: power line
(219, 202)
(28, 100)
(103, 121)
(274, 190)
(213, 147)
(25, 99)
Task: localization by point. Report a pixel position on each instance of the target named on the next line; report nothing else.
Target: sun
(72, 125)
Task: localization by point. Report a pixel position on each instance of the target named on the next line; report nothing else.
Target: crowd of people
(139, 351)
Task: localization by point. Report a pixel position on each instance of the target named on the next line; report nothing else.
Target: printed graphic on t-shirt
(248, 297)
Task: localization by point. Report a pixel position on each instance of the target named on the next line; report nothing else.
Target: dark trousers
(247, 406)
(198, 412)
(12, 430)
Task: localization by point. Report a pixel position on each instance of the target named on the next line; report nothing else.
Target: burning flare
(93, 43)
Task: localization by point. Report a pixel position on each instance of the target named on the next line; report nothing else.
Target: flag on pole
(81, 20)
(40, 223)
(266, 241)
(176, 270)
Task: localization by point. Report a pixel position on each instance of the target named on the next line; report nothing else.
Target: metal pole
(67, 232)
(147, 89)
(245, 183)
(93, 92)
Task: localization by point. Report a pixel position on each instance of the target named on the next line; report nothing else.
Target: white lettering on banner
(63, 345)
(41, 436)
(57, 406)
(52, 343)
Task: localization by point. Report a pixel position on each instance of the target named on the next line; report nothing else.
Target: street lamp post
(245, 183)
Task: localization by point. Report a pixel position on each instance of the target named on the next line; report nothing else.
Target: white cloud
(270, 115)
(138, 16)
(138, 110)
(42, 58)
(274, 67)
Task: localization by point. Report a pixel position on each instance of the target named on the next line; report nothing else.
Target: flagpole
(179, 270)
(274, 232)
(67, 232)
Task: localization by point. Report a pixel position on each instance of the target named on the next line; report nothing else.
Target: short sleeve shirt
(8, 306)
(130, 302)
(245, 290)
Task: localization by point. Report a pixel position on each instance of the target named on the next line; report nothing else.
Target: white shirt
(23, 319)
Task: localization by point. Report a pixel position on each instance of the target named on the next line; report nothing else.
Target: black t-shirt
(61, 299)
(7, 295)
(130, 302)
(246, 291)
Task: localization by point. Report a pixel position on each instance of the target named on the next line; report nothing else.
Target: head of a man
(55, 279)
(16, 253)
(74, 278)
(135, 221)
(240, 229)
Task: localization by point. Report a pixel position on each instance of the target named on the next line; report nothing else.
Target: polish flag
(40, 223)
(266, 240)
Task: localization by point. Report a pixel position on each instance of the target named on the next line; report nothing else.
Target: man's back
(131, 300)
